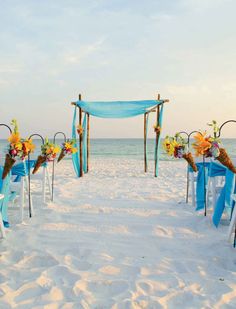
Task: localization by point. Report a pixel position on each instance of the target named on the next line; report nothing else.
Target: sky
(50, 51)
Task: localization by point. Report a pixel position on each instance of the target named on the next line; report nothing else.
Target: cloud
(76, 57)
(202, 5)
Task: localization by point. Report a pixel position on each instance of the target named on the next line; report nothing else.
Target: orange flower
(14, 138)
(202, 144)
(29, 146)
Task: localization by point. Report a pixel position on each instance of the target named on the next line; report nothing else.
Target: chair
(2, 229)
(4, 200)
(193, 177)
(19, 185)
(232, 225)
(216, 178)
(43, 176)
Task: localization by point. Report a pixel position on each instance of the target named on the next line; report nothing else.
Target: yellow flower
(56, 149)
(14, 138)
(18, 146)
(68, 145)
(169, 145)
(29, 146)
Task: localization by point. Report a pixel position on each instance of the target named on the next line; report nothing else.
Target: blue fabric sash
(85, 143)
(201, 184)
(157, 150)
(224, 201)
(117, 109)
(5, 190)
(75, 156)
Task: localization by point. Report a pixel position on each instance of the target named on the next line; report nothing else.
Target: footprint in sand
(12, 257)
(27, 292)
(37, 260)
(77, 264)
(110, 270)
(139, 303)
(2, 278)
(108, 287)
(162, 232)
(62, 276)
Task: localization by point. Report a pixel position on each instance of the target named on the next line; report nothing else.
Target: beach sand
(117, 238)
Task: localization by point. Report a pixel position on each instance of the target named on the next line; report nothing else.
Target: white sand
(117, 239)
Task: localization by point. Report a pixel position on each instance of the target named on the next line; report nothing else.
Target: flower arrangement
(80, 130)
(177, 147)
(209, 146)
(19, 148)
(67, 149)
(49, 152)
(157, 129)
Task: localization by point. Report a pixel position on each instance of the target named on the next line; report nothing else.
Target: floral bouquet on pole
(49, 152)
(157, 129)
(80, 130)
(67, 149)
(19, 148)
(177, 147)
(210, 147)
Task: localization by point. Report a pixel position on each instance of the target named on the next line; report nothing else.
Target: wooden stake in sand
(145, 142)
(88, 140)
(80, 140)
(157, 134)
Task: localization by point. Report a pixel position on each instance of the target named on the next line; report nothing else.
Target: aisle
(117, 239)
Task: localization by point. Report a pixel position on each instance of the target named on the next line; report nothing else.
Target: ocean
(124, 148)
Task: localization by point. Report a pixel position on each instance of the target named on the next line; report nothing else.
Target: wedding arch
(112, 109)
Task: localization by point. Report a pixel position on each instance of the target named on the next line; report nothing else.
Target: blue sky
(112, 50)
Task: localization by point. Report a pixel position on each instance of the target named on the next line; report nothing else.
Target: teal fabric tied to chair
(201, 183)
(225, 201)
(22, 169)
(5, 190)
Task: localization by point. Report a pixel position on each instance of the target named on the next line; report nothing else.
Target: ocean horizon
(125, 147)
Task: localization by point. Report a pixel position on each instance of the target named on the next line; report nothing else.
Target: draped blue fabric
(147, 121)
(75, 156)
(157, 149)
(212, 169)
(5, 190)
(117, 109)
(225, 201)
(217, 170)
(22, 168)
(85, 144)
(201, 184)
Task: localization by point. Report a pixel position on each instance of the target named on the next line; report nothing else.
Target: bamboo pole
(145, 142)
(88, 141)
(80, 141)
(157, 134)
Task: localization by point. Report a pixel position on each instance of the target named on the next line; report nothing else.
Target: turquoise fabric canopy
(117, 109)
(111, 109)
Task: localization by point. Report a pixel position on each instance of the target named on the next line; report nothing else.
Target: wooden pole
(80, 141)
(145, 142)
(157, 134)
(88, 141)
